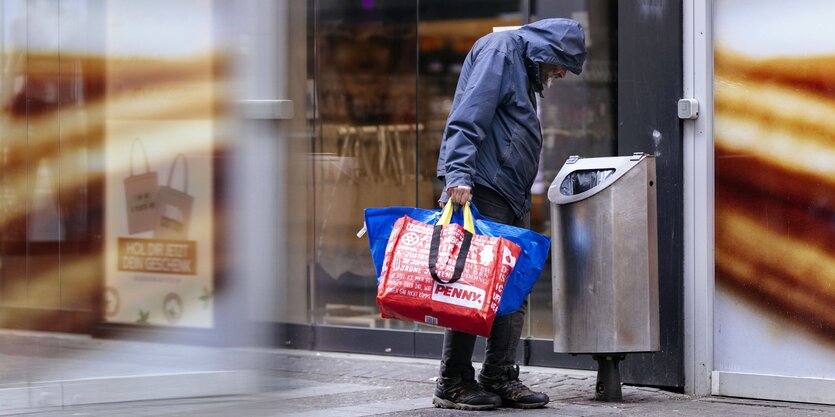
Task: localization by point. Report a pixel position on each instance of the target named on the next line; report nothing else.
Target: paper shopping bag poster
(159, 223)
(174, 204)
(141, 193)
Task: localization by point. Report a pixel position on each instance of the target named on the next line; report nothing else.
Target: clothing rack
(379, 151)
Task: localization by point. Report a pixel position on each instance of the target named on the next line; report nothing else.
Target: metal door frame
(699, 281)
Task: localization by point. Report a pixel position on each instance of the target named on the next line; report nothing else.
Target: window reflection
(75, 81)
(579, 117)
(385, 75)
(365, 153)
(446, 35)
(49, 75)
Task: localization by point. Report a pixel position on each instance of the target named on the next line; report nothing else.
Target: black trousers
(504, 335)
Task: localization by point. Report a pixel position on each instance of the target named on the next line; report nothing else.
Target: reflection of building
(368, 85)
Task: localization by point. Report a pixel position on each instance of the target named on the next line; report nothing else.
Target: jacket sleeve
(469, 124)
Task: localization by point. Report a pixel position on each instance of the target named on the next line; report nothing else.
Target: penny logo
(458, 294)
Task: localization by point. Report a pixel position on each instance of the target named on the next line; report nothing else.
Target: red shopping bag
(444, 275)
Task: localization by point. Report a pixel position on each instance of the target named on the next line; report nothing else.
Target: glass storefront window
(579, 117)
(110, 114)
(445, 36)
(384, 77)
(364, 153)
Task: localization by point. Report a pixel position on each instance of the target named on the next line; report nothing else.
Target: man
(490, 153)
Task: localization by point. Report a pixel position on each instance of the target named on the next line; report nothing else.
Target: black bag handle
(459, 262)
(435, 244)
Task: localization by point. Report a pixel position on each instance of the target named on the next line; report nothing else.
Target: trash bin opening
(583, 180)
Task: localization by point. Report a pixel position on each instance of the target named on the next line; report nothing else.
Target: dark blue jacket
(492, 136)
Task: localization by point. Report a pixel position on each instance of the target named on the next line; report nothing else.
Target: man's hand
(460, 194)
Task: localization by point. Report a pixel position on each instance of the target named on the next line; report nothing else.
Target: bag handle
(185, 172)
(469, 230)
(141, 146)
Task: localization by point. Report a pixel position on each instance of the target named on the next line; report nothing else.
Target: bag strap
(141, 146)
(461, 261)
(446, 216)
(185, 172)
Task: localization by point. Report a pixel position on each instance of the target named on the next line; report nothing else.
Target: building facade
(199, 175)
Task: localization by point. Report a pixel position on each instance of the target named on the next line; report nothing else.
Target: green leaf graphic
(206, 297)
(143, 317)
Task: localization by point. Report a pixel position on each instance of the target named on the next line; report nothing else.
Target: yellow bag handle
(435, 242)
(469, 224)
(446, 216)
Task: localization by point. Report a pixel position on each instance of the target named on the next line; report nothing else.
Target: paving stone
(309, 384)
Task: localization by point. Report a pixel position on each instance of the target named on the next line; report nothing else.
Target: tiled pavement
(302, 383)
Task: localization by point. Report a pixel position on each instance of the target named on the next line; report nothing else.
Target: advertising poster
(775, 187)
(159, 132)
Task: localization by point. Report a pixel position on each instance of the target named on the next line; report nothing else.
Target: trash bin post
(608, 383)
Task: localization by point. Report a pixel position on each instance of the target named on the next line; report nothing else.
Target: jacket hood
(554, 41)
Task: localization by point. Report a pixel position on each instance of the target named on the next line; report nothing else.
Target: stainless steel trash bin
(604, 255)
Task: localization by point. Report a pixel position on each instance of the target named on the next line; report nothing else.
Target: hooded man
(490, 154)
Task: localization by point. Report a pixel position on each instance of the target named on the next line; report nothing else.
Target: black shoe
(504, 382)
(462, 392)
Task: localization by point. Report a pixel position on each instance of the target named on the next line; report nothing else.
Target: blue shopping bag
(380, 221)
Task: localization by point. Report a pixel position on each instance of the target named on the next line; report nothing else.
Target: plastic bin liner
(581, 181)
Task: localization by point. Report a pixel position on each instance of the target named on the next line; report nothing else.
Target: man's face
(549, 72)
